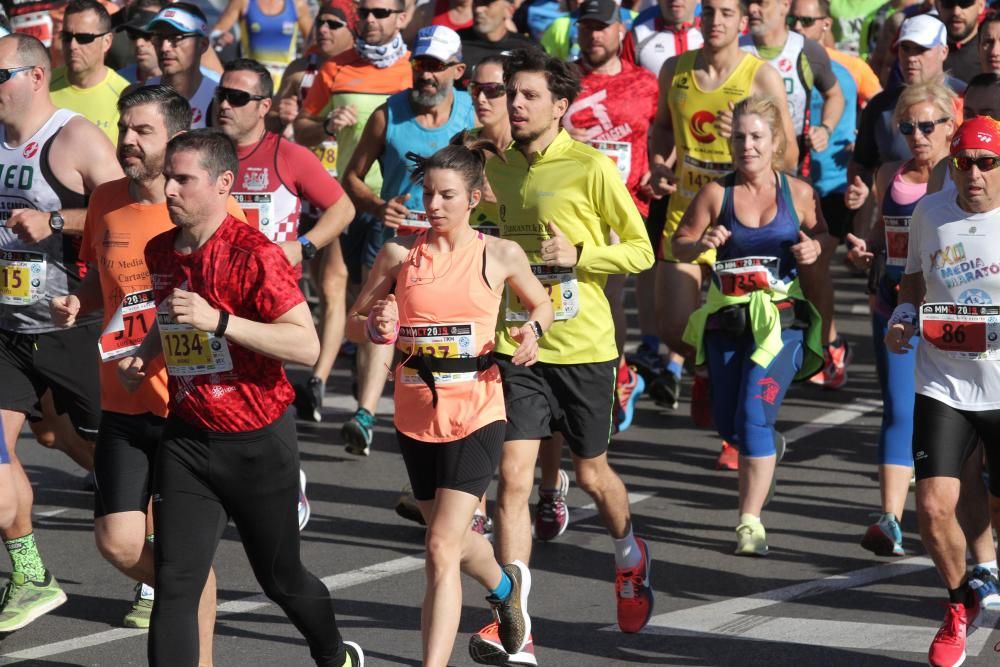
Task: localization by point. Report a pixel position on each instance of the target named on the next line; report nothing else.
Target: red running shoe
(729, 458)
(701, 401)
(634, 593)
(948, 647)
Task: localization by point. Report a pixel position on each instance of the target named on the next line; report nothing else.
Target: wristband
(220, 330)
(904, 313)
(829, 132)
(376, 337)
(536, 328)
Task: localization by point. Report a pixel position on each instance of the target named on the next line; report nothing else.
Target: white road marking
(837, 417)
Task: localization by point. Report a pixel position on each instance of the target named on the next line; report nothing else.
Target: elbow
(309, 351)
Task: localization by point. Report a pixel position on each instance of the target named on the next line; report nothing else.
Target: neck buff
(384, 55)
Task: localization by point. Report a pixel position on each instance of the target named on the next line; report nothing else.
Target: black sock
(959, 595)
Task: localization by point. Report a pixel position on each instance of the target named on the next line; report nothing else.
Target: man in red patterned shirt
(229, 315)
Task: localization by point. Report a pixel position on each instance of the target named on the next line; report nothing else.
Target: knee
(517, 480)
(592, 476)
(443, 551)
(119, 550)
(935, 506)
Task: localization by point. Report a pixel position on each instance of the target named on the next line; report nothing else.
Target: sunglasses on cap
(236, 98)
(951, 4)
(806, 21)
(490, 90)
(926, 127)
(8, 74)
(331, 24)
(377, 12)
(431, 65)
(985, 163)
(80, 37)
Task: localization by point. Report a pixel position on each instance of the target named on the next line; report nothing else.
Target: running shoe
(309, 400)
(304, 511)
(987, 588)
(552, 514)
(701, 401)
(485, 649)
(355, 656)
(948, 647)
(836, 358)
(514, 624)
(22, 601)
(142, 610)
(407, 506)
(729, 458)
(665, 389)
(751, 539)
(885, 538)
(634, 593)
(357, 432)
(628, 391)
(647, 361)
(483, 525)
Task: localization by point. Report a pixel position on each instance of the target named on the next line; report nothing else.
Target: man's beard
(145, 171)
(524, 136)
(429, 100)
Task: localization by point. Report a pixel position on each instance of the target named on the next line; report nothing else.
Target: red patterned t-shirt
(218, 385)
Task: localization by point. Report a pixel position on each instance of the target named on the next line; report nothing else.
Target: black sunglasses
(985, 163)
(377, 12)
(490, 90)
(173, 38)
(431, 65)
(8, 74)
(951, 4)
(926, 127)
(331, 24)
(80, 37)
(136, 34)
(806, 21)
(236, 98)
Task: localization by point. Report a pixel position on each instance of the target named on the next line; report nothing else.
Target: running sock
(990, 565)
(675, 367)
(836, 342)
(652, 343)
(25, 557)
(627, 554)
(503, 589)
(146, 592)
(959, 595)
(749, 519)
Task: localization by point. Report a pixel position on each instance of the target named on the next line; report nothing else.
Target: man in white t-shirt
(953, 275)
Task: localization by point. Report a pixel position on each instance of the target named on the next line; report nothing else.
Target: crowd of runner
(463, 188)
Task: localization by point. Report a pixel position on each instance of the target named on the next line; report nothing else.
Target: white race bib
(128, 326)
(445, 341)
(696, 174)
(963, 331)
(620, 153)
(188, 351)
(22, 277)
(563, 289)
(743, 275)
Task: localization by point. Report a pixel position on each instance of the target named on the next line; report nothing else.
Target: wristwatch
(56, 222)
(326, 128)
(308, 249)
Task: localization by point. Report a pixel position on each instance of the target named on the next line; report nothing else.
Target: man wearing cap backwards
(953, 276)
(421, 120)
(85, 84)
(180, 36)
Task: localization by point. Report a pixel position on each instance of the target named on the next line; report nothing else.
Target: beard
(150, 167)
(428, 100)
(524, 136)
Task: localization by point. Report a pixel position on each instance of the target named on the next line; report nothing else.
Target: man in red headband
(953, 277)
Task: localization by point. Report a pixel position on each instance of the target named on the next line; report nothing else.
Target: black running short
(123, 461)
(65, 362)
(463, 465)
(576, 400)
(360, 244)
(944, 437)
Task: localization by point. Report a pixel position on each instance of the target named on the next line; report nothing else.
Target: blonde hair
(934, 92)
(765, 107)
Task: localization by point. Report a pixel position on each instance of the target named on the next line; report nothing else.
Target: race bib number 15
(22, 277)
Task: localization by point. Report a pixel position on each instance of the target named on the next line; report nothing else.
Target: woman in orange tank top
(436, 296)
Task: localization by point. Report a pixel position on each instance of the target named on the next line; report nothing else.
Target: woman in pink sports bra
(436, 296)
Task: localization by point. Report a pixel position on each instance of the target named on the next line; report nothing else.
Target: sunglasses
(236, 98)
(8, 74)
(377, 12)
(431, 65)
(329, 23)
(490, 90)
(985, 163)
(80, 37)
(135, 35)
(926, 127)
(175, 38)
(806, 21)
(951, 4)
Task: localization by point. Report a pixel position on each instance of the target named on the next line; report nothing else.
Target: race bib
(416, 221)
(327, 154)
(741, 276)
(128, 326)
(259, 209)
(897, 239)
(37, 24)
(564, 292)
(620, 153)
(22, 277)
(188, 351)
(695, 174)
(963, 331)
(445, 341)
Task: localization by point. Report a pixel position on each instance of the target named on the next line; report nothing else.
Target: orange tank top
(447, 309)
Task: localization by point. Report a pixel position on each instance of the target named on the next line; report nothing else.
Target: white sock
(146, 592)
(749, 519)
(990, 565)
(627, 554)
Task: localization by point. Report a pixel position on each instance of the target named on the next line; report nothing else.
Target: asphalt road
(817, 599)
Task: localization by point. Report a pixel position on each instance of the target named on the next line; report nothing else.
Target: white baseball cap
(924, 30)
(439, 42)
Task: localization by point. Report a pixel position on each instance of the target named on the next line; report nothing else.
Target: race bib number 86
(964, 331)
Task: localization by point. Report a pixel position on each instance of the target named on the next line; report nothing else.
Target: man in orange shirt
(123, 215)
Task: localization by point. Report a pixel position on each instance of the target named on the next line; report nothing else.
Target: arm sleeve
(819, 62)
(633, 254)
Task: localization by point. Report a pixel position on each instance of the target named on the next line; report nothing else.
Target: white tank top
(653, 47)
(787, 64)
(26, 181)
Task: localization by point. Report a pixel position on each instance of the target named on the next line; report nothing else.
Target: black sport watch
(308, 249)
(56, 222)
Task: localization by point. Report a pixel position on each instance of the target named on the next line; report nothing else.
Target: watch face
(56, 221)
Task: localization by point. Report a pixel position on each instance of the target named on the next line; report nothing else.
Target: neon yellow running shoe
(751, 540)
(142, 610)
(22, 601)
